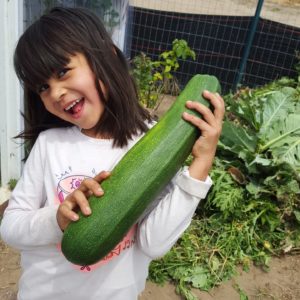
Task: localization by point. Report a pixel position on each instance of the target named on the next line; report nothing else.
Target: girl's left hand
(210, 126)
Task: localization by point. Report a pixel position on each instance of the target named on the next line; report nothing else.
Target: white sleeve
(170, 214)
(26, 222)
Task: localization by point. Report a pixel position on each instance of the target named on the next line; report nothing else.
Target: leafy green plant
(143, 74)
(12, 183)
(168, 63)
(221, 236)
(156, 77)
(253, 210)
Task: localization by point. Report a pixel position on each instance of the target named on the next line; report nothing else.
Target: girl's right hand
(78, 200)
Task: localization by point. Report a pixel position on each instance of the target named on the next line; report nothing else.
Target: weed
(156, 77)
(12, 183)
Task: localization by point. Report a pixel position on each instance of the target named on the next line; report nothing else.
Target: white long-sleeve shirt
(58, 162)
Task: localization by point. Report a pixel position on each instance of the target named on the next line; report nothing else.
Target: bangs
(45, 48)
(36, 59)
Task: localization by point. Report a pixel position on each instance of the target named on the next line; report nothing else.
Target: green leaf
(192, 54)
(215, 264)
(259, 160)
(278, 105)
(167, 69)
(228, 200)
(166, 54)
(237, 138)
(244, 109)
(157, 76)
(254, 189)
(180, 272)
(199, 281)
(179, 52)
(199, 278)
(283, 140)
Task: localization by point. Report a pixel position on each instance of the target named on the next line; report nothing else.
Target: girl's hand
(210, 126)
(78, 200)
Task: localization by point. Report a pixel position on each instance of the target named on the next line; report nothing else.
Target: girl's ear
(114, 50)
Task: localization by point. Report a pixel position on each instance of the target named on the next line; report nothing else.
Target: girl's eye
(43, 88)
(62, 72)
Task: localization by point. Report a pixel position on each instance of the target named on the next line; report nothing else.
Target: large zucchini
(136, 180)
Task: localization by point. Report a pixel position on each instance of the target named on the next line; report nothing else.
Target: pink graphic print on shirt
(68, 185)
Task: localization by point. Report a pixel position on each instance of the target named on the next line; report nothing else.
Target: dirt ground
(282, 282)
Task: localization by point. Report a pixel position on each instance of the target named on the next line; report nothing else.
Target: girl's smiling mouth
(75, 107)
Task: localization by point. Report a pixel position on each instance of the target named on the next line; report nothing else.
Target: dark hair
(46, 46)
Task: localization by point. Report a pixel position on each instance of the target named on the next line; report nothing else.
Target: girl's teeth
(71, 105)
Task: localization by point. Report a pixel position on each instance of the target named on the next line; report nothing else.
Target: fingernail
(75, 217)
(185, 114)
(88, 210)
(100, 191)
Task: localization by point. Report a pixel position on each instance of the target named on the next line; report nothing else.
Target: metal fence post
(248, 45)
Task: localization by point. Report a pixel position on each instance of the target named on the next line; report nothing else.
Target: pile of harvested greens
(253, 210)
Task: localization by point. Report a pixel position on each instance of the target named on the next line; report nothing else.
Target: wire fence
(219, 33)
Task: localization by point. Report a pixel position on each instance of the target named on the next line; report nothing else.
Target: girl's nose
(57, 90)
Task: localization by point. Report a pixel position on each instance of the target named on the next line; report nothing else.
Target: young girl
(83, 115)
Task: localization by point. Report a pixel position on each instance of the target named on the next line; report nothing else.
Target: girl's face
(71, 95)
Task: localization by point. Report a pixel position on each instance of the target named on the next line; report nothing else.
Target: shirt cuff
(191, 185)
(56, 233)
